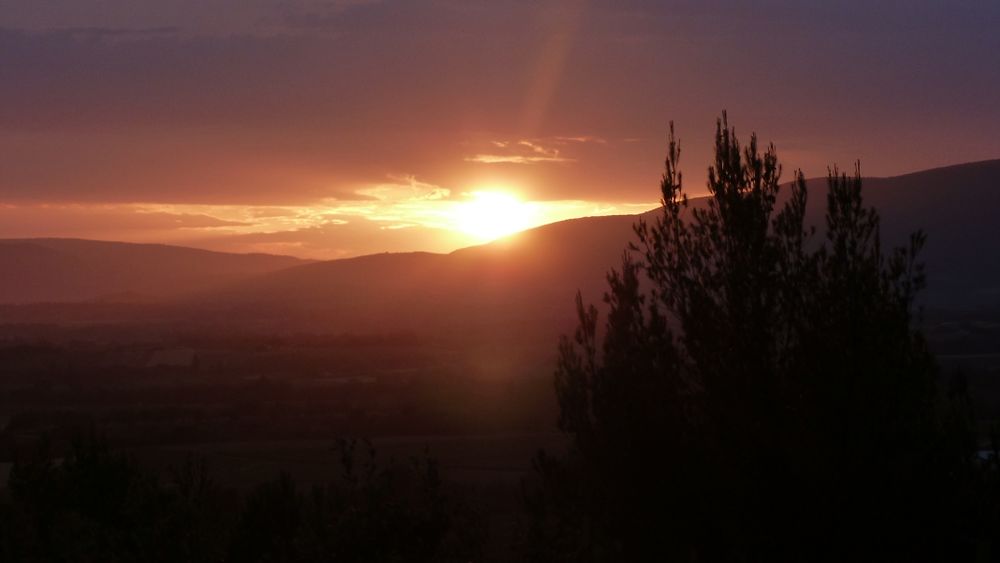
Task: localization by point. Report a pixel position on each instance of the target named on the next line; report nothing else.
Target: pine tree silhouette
(760, 393)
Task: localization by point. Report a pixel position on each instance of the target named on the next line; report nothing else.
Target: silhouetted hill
(524, 285)
(520, 287)
(66, 270)
(958, 207)
(518, 281)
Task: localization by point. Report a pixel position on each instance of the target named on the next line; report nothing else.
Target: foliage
(98, 505)
(759, 393)
(392, 513)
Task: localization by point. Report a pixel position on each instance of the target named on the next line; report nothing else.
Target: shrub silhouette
(97, 505)
(394, 512)
(758, 392)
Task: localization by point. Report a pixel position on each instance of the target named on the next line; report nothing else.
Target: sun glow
(489, 215)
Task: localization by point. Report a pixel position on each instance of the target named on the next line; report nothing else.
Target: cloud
(420, 225)
(404, 214)
(159, 219)
(404, 189)
(580, 139)
(271, 212)
(339, 237)
(514, 159)
(105, 221)
(520, 152)
(237, 103)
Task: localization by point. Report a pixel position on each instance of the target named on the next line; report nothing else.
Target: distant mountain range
(74, 270)
(959, 209)
(522, 285)
(523, 282)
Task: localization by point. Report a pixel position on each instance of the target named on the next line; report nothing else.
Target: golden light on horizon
(492, 214)
(396, 217)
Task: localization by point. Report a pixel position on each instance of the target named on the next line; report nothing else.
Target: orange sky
(337, 128)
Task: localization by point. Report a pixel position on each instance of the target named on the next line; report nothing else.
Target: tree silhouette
(760, 393)
(373, 512)
(98, 505)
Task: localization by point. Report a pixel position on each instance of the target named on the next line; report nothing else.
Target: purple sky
(333, 128)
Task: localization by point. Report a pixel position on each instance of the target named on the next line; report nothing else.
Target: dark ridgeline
(521, 283)
(760, 393)
(101, 272)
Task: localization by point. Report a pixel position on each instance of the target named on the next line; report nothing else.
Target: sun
(489, 215)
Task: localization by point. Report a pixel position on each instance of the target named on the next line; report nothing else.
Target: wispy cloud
(188, 220)
(514, 159)
(580, 139)
(404, 188)
(402, 213)
(523, 151)
(114, 221)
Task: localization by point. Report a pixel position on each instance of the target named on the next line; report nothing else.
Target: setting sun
(488, 215)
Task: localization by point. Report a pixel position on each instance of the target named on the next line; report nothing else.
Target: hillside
(958, 207)
(73, 270)
(520, 287)
(523, 282)
(527, 281)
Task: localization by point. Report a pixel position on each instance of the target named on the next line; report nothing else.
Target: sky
(333, 128)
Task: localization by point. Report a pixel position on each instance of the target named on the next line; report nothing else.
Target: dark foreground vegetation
(759, 390)
(96, 505)
(761, 393)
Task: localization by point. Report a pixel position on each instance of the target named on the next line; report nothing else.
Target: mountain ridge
(534, 274)
(531, 277)
(34, 270)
